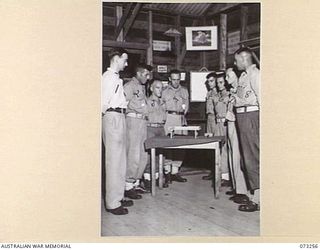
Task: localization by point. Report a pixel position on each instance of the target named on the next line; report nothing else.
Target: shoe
(126, 203)
(164, 185)
(167, 178)
(240, 199)
(132, 194)
(250, 207)
(140, 190)
(178, 178)
(207, 177)
(231, 192)
(147, 185)
(118, 211)
(225, 183)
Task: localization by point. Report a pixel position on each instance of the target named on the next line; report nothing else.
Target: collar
(175, 89)
(112, 71)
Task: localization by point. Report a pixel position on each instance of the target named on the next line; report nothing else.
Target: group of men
(129, 117)
(232, 108)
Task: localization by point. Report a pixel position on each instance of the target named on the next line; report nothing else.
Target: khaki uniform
(211, 118)
(247, 115)
(114, 138)
(136, 131)
(174, 100)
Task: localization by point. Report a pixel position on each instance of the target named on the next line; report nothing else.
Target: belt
(136, 115)
(175, 112)
(155, 125)
(221, 119)
(119, 110)
(247, 109)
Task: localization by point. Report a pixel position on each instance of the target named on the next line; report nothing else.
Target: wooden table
(183, 142)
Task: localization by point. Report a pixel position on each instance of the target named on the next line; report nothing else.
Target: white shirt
(112, 95)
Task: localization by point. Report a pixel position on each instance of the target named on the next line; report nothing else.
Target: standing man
(247, 102)
(176, 98)
(136, 120)
(114, 107)
(211, 118)
(155, 127)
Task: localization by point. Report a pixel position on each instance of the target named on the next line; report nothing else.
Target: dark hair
(243, 49)
(222, 74)
(212, 74)
(140, 67)
(174, 71)
(116, 52)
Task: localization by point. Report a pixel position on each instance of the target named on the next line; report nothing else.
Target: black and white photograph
(201, 38)
(180, 111)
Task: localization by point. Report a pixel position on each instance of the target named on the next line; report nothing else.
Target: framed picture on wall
(201, 38)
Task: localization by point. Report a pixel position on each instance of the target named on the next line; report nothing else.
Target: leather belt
(247, 109)
(136, 115)
(119, 110)
(155, 125)
(221, 119)
(175, 112)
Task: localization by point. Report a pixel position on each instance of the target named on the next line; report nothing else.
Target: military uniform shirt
(220, 104)
(248, 91)
(136, 97)
(209, 101)
(112, 95)
(156, 110)
(175, 98)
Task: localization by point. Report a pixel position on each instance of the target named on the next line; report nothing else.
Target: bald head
(156, 88)
(243, 58)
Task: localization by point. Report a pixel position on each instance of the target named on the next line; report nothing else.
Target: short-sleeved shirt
(136, 97)
(248, 91)
(209, 101)
(156, 110)
(221, 101)
(175, 98)
(112, 94)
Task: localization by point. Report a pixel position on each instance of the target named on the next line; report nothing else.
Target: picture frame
(202, 38)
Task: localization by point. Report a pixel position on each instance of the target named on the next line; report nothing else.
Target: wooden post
(122, 21)
(118, 18)
(244, 23)
(177, 42)
(153, 171)
(223, 42)
(130, 22)
(160, 171)
(203, 60)
(150, 38)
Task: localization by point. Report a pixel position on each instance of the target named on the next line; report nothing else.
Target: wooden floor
(183, 209)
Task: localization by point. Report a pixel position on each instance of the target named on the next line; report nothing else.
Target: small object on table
(195, 129)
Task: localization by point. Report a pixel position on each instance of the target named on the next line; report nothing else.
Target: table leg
(153, 171)
(160, 171)
(217, 179)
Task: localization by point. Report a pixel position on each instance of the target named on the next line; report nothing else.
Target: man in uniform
(114, 105)
(136, 120)
(176, 98)
(211, 119)
(155, 126)
(247, 102)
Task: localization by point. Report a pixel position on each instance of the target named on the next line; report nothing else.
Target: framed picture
(201, 38)
(198, 89)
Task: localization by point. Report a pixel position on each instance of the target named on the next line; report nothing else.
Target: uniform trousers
(114, 138)
(221, 130)
(237, 175)
(248, 124)
(136, 153)
(211, 123)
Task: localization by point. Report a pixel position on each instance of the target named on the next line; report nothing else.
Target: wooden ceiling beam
(123, 20)
(133, 16)
(125, 45)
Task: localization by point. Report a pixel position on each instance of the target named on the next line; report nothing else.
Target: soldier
(136, 120)
(176, 98)
(211, 119)
(155, 126)
(240, 190)
(114, 105)
(247, 102)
